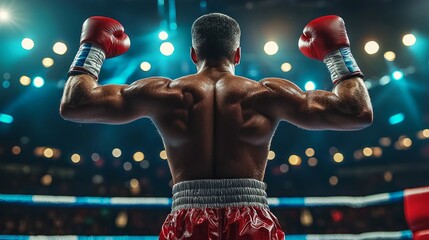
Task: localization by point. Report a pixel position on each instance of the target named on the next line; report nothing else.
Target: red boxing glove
(326, 39)
(107, 33)
(101, 38)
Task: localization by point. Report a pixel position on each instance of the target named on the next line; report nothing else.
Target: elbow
(364, 119)
(66, 111)
(72, 112)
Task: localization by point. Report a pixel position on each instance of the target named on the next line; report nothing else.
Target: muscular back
(215, 124)
(214, 129)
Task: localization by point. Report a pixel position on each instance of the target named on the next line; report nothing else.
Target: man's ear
(194, 55)
(237, 56)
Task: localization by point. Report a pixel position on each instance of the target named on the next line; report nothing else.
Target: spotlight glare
(371, 47)
(4, 15)
(145, 66)
(286, 67)
(271, 48)
(27, 43)
(166, 48)
(310, 86)
(59, 48)
(409, 40)
(163, 35)
(397, 75)
(47, 62)
(38, 82)
(389, 56)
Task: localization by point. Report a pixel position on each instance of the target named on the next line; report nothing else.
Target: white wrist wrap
(341, 64)
(89, 59)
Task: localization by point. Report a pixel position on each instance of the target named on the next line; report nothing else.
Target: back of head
(215, 36)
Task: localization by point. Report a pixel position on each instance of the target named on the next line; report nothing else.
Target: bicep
(316, 110)
(86, 101)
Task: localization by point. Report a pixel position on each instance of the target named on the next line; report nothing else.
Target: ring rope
(406, 235)
(158, 202)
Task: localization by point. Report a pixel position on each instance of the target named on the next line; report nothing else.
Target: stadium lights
(163, 35)
(4, 15)
(166, 48)
(27, 43)
(271, 48)
(371, 47)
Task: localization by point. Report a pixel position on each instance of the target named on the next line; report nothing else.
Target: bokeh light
(312, 162)
(6, 118)
(294, 160)
(75, 158)
(166, 48)
(271, 155)
(310, 85)
(286, 67)
(127, 166)
(47, 62)
(163, 35)
(116, 152)
(271, 48)
(16, 150)
(46, 180)
(163, 155)
(367, 152)
(338, 157)
(397, 75)
(309, 152)
(390, 56)
(59, 48)
(38, 82)
(145, 66)
(371, 47)
(48, 152)
(138, 156)
(409, 40)
(333, 180)
(27, 43)
(25, 80)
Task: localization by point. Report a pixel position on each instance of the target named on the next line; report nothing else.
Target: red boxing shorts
(221, 209)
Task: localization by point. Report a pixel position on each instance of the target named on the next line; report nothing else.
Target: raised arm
(84, 100)
(347, 106)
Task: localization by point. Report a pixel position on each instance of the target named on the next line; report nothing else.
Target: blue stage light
(397, 118)
(6, 118)
(310, 85)
(38, 82)
(397, 75)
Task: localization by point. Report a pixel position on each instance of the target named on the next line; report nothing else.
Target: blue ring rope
(163, 202)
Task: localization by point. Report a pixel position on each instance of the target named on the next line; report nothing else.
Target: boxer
(216, 126)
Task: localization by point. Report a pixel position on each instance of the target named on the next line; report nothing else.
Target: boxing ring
(415, 201)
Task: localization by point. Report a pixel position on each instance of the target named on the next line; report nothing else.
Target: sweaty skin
(215, 124)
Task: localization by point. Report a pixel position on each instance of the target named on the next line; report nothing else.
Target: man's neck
(216, 66)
